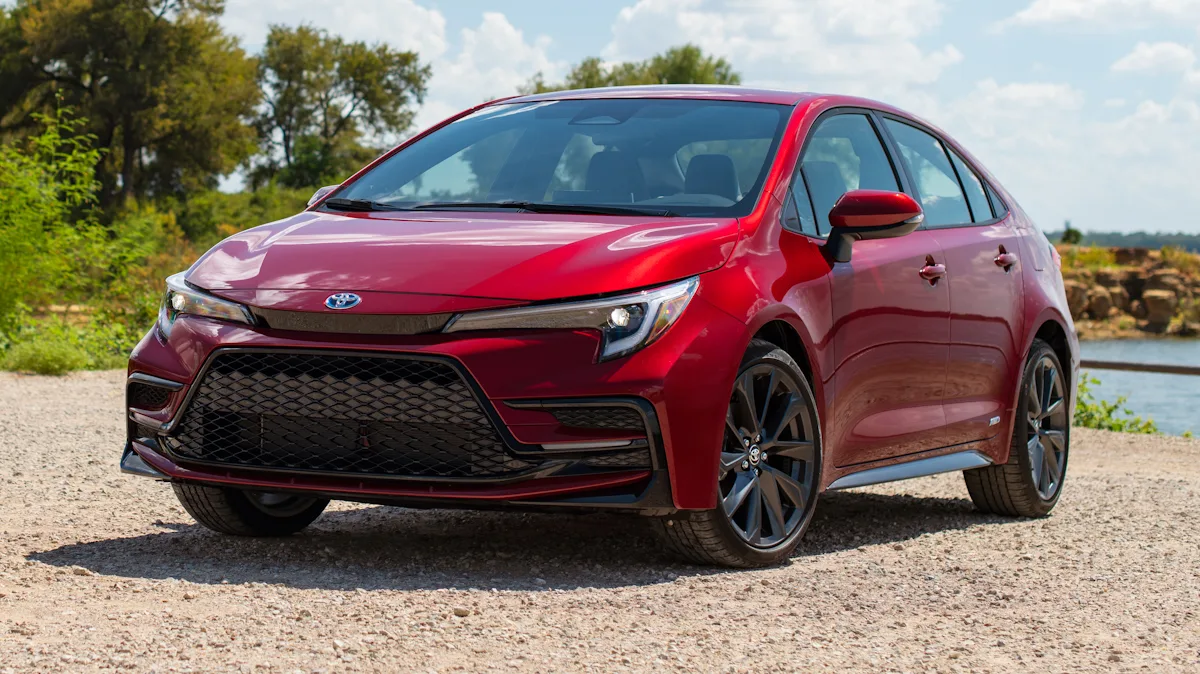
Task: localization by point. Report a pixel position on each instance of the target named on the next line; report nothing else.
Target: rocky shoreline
(1135, 294)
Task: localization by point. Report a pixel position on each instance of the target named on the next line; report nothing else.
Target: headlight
(626, 323)
(184, 299)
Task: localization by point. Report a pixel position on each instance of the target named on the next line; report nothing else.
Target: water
(1173, 401)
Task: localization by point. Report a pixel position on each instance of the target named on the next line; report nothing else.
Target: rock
(1160, 307)
(1127, 256)
(80, 571)
(1108, 277)
(462, 612)
(1120, 298)
(1100, 303)
(1165, 279)
(1137, 309)
(1077, 298)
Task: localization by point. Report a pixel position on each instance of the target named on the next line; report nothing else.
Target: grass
(1087, 257)
(1180, 259)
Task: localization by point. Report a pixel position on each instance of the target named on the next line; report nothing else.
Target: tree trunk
(128, 158)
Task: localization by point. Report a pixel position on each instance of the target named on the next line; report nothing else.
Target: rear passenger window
(941, 195)
(844, 153)
(981, 211)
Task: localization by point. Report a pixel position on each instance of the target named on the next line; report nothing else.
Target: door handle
(933, 272)
(1006, 260)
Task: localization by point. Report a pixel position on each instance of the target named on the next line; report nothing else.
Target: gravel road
(99, 571)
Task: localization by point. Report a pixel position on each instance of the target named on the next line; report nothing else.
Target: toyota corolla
(704, 305)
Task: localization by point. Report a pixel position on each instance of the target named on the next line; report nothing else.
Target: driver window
(844, 153)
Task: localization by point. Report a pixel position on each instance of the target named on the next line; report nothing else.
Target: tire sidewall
(758, 353)
(1021, 428)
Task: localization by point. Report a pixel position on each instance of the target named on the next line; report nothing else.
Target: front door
(891, 308)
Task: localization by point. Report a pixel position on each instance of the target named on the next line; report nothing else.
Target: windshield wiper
(540, 207)
(362, 205)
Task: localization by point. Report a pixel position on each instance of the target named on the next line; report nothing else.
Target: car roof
(702, 91)
(717, 92)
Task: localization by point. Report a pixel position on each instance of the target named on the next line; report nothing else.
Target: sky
(1085, 110)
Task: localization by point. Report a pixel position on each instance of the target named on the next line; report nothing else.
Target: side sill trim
(946, 463)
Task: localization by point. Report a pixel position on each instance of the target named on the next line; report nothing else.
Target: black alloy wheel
(1030, 482)
(768, 470)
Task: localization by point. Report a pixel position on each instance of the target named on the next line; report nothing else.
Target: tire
(1029, 484)
(243, 513)
(782, 466)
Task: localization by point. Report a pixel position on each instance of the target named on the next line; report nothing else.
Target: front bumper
(521, 380)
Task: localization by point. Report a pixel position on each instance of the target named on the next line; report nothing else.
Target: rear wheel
(1029, 484)
(248, 513)
(767, 472)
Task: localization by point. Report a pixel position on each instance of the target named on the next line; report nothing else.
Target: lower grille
(146, 397)
(616, 418)
(341, 413)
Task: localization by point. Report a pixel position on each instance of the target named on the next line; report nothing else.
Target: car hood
(506, 257)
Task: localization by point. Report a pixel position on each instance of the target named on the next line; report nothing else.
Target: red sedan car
(705, 305)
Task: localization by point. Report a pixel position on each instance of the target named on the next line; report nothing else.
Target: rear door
(891, 326)
(983, 274)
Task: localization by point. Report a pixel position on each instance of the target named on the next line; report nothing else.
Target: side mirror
(870, 214)
(320, 194)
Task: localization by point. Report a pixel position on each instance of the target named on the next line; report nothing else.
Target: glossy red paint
(872, 208)
(901, 367)
(471, 255)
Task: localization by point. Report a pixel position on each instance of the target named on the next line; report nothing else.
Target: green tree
(1070, 234)
(321, 94)
(167, 93)
(686, 64)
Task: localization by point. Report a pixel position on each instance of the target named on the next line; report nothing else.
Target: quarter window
(981, 211)
(998, 206)
(937, 185)
(844, 154)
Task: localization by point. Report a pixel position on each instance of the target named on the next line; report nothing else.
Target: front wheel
(1029, 484)
(767, 471)
(248, 513)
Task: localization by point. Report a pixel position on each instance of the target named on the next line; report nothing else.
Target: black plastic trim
(557, 464)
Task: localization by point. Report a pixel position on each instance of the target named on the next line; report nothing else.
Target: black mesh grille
(638, 458)
(620, 418)
(146, 397)
(341, 413)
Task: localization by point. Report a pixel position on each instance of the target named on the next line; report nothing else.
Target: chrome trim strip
(572, 446)
(154, 381)
(946, 463)
(993, 421)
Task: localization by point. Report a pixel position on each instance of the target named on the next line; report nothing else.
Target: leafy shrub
(47, 186)
(207, 217)
(53, 357)
(1107, 416)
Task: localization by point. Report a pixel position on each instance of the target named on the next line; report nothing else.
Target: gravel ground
(101, 571)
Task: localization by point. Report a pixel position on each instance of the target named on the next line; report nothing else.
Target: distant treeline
(1190, 242)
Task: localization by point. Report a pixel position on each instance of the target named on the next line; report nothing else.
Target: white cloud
(863, 47)
(400, 23)
(1118, 14)
(1159, 57)
(490, 61)
(493, 61)
(1114, 103)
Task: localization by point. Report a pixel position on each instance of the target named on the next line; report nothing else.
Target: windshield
(670, 156)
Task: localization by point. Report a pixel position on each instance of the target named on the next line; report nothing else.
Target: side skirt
(946, 463)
